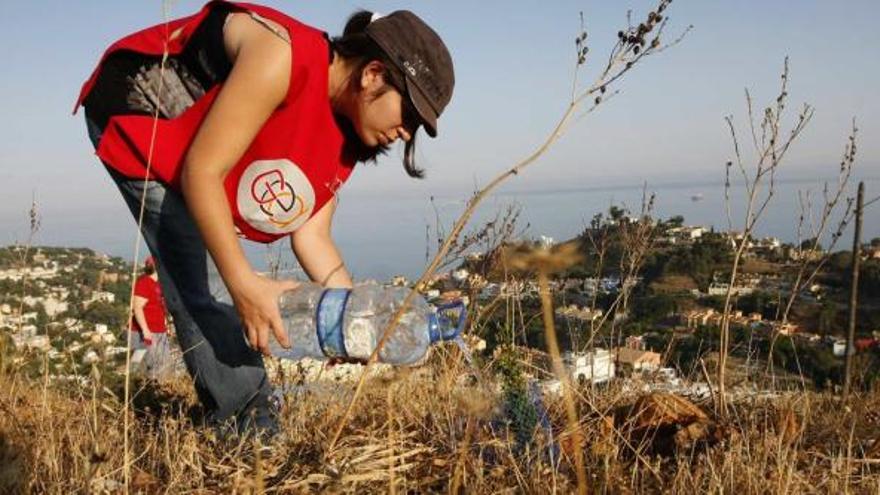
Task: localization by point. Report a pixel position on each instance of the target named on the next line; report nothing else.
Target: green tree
(653, 308)
(808, 244)
(840, 261)
(676, 221)
(101, 312)
(42, 318)
(827, 317)
(869, 279)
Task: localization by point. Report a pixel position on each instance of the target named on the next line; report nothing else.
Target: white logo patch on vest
(275, 196)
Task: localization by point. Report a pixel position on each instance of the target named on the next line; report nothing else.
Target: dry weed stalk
(831, 198)
(598, 233)
(166, 9)
(546, 261)
(489, 238)
(34, 223)
(812, 257)
(770, 147)
(636, 237)
(633, 45)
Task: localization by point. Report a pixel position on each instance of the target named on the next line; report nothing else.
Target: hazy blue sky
(514, 62)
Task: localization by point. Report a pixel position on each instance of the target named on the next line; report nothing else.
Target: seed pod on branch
(557, 258)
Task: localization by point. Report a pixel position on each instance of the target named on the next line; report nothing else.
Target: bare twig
(812, 259)
(773, 148)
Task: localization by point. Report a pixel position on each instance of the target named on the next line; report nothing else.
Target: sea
(380, 237)
(387, 234)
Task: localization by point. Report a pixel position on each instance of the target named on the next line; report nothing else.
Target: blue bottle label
(329, 318)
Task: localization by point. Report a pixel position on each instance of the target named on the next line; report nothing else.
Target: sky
(514, 63)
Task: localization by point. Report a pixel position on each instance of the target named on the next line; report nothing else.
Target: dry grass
(425, 431)
(761, 267)
(674, 284)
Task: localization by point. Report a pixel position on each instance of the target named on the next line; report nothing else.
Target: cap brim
(420, 102)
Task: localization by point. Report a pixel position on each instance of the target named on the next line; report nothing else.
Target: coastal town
(68, 307)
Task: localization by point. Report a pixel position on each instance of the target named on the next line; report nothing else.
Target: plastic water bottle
(348, 323)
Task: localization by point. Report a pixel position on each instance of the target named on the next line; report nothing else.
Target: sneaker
(259, 417)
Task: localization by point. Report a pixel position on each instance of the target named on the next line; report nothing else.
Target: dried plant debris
(662, 423)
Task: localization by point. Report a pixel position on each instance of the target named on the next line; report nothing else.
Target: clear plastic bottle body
(410, 340)
(298, 316)
(367, 312)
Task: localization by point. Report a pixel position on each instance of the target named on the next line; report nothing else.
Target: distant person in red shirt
(148, 320)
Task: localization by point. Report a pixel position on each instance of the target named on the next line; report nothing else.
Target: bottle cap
(442, 327)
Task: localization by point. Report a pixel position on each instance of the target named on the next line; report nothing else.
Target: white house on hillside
(596, 366)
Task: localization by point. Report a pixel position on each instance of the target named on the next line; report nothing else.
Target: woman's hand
(256, 299)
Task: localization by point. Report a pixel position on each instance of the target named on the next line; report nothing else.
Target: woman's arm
(317, 253)
(255, 87)
(141, 318)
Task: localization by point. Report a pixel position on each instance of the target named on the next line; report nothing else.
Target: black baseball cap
(420, 54)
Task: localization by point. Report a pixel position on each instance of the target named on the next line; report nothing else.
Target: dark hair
(354, 45)
(149, 270)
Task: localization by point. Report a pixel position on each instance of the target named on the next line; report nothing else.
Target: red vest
(293, 166)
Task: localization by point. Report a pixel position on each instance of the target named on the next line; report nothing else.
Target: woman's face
(378, 113)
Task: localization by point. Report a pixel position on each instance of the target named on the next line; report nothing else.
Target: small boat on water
(697, 197)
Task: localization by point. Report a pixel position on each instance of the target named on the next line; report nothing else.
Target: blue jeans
(229, 376)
